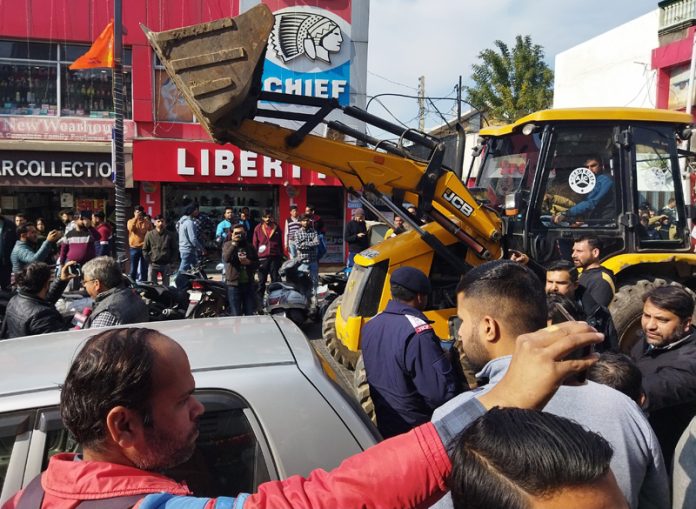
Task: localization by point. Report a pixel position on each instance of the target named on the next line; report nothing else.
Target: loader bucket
(217, 66)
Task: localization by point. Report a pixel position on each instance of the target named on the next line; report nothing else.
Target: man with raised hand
(129, 401)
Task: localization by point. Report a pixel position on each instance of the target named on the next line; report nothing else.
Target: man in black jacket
(356, 235)
(32, 310)
(160, 249)
(666, 356)
(241, 262)
(596, 282)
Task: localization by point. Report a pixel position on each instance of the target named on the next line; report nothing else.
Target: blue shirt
(599, 194)
(222, 230)
(637, 463)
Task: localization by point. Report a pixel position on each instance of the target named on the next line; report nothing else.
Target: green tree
(509, 84)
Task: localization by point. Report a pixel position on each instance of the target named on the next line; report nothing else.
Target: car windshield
(508, 161)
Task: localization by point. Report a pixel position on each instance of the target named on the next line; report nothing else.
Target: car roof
(41, 362)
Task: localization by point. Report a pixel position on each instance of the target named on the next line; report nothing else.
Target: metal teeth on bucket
(217, 65)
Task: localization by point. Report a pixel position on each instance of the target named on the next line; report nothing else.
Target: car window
(15, 430)
(231, 455)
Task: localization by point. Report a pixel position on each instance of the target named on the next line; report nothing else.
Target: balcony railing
(676, 12)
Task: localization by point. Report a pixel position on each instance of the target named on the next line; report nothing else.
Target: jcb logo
(458, 202)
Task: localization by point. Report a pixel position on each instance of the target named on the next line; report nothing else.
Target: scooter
(293, 296)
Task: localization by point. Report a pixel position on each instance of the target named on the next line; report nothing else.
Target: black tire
(208, 309)
(328, 331)
(627, 308)
(362, 390)
(296, 315)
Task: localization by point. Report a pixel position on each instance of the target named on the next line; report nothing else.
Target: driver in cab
(598, 201)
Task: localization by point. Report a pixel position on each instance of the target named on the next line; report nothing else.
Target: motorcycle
(163, 302)
(291, 297)
(332, 286)
(207, 298)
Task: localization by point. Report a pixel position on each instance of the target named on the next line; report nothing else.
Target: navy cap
(86, 214)
(411, 279)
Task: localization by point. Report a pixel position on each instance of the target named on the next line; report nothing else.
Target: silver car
(271, 409)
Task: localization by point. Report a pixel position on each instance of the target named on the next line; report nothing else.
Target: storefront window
(30, 85)
(28, 89)
(212, 200)
(170, 105)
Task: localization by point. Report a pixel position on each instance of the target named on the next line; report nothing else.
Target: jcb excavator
(534, 189)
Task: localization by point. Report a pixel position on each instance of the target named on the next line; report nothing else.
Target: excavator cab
(614, 173)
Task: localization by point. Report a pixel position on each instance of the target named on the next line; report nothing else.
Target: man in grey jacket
(114, 303)
(189, 245)
(500, 300)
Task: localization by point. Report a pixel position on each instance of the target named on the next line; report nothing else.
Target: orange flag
(101, 54)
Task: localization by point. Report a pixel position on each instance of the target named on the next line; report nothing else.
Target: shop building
(171, 173)
(55, 127)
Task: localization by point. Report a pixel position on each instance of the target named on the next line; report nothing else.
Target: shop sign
(27, 167)
(60, 129)
(150, 198)
(174, 161)
(309, 54)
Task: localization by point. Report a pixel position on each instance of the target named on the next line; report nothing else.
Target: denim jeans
(138, 261)
(292, 250)
(188, 260)
(313, 268)
(242, 300)
(351, 258)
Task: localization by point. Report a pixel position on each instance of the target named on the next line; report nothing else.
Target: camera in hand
(75, 270)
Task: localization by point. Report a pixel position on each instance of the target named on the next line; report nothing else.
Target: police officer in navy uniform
(408, 372)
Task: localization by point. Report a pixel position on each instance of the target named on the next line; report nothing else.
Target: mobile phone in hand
(75, 270)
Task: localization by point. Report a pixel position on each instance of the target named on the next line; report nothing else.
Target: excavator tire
(338, 350)
(627, 308)
(362, 390)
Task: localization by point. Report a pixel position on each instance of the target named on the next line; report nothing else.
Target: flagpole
(117, 144)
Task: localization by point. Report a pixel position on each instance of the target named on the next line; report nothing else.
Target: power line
(391, 81)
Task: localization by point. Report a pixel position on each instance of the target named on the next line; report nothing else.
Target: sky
(441, 39)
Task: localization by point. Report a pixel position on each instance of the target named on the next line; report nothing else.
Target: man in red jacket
(128, 401)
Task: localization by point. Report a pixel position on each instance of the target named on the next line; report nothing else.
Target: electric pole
(421, 103)
(117, 159)
(461, 135)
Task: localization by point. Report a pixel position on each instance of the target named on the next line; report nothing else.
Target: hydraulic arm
(217, 66)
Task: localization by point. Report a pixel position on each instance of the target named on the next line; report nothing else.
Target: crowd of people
(642, 403)
(32, 257)
(547, 420)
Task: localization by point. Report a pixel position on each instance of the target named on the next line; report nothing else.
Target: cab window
(579, 188)
(656, 196)
(508, 167)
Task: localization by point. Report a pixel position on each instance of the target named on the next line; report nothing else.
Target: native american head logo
(301, 33)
